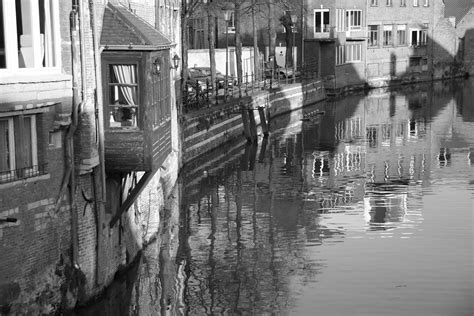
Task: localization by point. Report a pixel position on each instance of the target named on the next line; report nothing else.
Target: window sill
(33, 76)
(8, 185)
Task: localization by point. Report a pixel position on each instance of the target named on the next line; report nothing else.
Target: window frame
(323, 29)
(387, 31)
(426, 3)
(376, 32)
(18, 169)
(404, 30)
(421, 33)
(353, 49)
(350, 19)
(128, 58)
(374, 3)
(389, 3)
(12, 44)
(403, 3)
(416, 3)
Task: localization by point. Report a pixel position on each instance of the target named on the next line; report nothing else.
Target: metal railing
(23, 173)
(198, 94)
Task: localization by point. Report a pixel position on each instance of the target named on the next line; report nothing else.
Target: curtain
(125, 74)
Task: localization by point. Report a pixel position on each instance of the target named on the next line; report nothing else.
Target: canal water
(356, 206)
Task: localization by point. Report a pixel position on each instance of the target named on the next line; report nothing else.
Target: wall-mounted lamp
(176, 61)
(156, 67)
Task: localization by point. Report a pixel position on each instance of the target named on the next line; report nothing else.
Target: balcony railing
(23, 173)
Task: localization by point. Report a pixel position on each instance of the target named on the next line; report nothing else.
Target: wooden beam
(132, 197)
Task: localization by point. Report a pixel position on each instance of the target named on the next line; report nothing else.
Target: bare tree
(238, 41)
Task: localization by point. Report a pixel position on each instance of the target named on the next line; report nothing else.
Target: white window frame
(321, 11)
(387, 28)
(340, 54)
(377, 32)
(353, 52)
(400, 28)
(352, 17)
(31, 22)
(422, 37)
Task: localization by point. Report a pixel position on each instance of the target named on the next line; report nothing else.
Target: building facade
(334, 40)
(465, 40)
(69, 101)
(379, 42)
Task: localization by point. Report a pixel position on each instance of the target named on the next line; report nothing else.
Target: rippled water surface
(359, 206)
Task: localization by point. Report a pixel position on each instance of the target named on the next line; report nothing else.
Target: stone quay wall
(209, 128)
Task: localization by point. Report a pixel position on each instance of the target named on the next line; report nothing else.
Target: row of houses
(357, 42)
(377, 42)
(88, 129)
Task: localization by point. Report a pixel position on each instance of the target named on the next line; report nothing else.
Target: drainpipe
(98, 99)
(70, 172)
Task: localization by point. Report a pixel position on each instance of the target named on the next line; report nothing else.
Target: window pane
(317, 23)
(28, 142)
(123, 95)
(326, 21)
(4, 146)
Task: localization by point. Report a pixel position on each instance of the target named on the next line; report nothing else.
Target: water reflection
(317, 216)
(343, 169)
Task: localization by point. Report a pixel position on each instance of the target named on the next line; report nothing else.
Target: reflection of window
(29, 34)
(418, 37)
(18, 148)
(321, 21)
(123, 95)
(387, 35)
(401, 35)
(371, 136)
(353, 19)
(373, 35)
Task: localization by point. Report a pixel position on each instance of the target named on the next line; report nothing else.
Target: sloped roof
(123, 29)
(457, 8)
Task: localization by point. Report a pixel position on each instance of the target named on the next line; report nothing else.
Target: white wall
(200, 58)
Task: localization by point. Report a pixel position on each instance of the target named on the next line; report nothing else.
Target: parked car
(279, 71)
(196, 78)
(220, 78)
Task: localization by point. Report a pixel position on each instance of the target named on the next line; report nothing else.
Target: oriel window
(123, 96)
